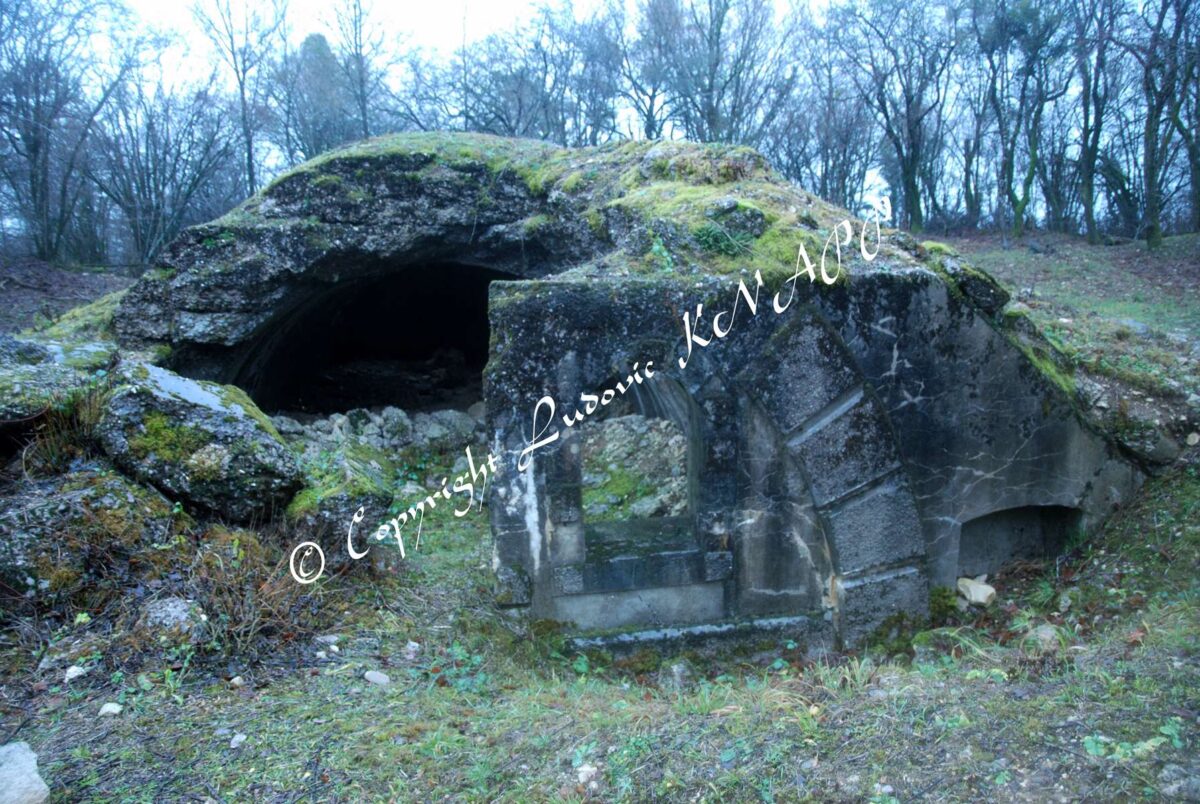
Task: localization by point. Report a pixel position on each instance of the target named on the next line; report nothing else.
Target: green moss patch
(158, 436)
(354, 471)
(232, 395)
(93, 321)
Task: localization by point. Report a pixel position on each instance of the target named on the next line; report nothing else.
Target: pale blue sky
(433, 24)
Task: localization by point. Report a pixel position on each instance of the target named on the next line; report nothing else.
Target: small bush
(67, 430)
(943, 606)
(719, 240)
(247, 592)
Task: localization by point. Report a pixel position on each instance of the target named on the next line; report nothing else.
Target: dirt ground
(33, 292)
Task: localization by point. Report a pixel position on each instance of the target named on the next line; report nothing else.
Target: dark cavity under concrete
(1030, 532)
(414, 338)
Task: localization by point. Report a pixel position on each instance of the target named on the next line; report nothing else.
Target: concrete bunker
(877, 438)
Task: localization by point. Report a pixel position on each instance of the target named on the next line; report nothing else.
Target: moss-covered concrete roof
(654, 208)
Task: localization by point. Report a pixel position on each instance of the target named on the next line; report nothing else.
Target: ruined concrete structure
(883, 435)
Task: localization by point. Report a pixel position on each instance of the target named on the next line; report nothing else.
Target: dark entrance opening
(415, 338)
(1034, 531)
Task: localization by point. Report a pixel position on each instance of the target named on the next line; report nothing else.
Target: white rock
(376, 677)
(977, 593)
(322, 654)
(411, 649)
(1193, 439)
(410, 489)
(1044, 640)
(175, 616)
(111, 709)
(237, 682)
(334, 649)
(20, 782)
(586, 773)
(237, 740)
(73, 672)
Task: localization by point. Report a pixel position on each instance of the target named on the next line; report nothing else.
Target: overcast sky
(432, 24)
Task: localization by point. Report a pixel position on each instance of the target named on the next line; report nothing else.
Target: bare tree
(645, 68)
(1118, 164)
(511, 83)
(244, 38)
(818, 139)
(1094, 24)
(595, 85)
(554, 79)
(156, 151)
(1057, 168)
(1156, 42)
(731, 66)
(426, 99)
(313, 104)
(902, 53)
(1185, 110)
(974, 128)
(52, 87)
(1023, 46)
(363, 58)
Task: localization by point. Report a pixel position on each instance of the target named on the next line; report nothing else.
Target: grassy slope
(1093, 301)
(485, 712)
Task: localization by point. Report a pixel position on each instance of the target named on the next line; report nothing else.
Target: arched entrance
(414, 338)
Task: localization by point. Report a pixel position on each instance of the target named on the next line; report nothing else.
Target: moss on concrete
(232, 395)
(627, 194)
(169, 442)
(91, 321)
(1042, 359)
(939, 249)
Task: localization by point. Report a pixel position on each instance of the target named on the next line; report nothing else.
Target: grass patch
(487, 710)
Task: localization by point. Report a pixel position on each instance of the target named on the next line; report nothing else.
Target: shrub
(67, 429)
(719, 240)
(247, 592)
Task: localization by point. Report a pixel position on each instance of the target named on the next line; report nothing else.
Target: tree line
(1078, 116)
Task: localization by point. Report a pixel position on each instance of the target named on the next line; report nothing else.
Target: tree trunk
(1150, 171)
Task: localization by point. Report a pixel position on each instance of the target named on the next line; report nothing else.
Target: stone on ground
(20, 782)
(976, 592)
(200, 442)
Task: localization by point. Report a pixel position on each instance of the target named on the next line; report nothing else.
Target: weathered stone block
(877, 527)
(865, 602)
(718, 565)
(660, 606)
(802, 371)
(848, 446)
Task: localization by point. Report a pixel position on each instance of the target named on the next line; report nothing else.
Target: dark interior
(415, 338)
(1035, 531)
